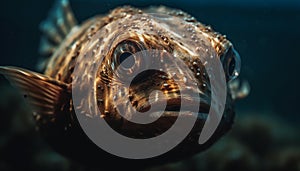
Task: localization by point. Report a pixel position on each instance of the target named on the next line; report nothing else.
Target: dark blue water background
(266, 33)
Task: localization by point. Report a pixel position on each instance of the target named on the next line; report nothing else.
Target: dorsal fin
(55, 28)
(43, 93)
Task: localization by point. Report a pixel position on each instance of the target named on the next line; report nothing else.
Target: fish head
(149, 71)
(151, 65)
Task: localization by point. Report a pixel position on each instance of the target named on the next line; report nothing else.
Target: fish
(67, 47)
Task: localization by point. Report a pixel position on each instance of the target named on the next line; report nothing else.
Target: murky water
(266, 131)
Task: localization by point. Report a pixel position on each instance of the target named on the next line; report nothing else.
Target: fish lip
(173, 107)
(163, 120)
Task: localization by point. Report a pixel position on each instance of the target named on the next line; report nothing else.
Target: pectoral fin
(44, 93)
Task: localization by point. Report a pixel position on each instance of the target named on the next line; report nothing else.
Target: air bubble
(166, 85)
(164, 77)
(124, 14)
(189, 29)
(180, 13)
(100, 100)
(190, 19)
(143, 19)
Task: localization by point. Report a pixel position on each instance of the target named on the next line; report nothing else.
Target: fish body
(67, 46)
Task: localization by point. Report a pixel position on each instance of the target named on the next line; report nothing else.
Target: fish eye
(124, 54)
(232, 64)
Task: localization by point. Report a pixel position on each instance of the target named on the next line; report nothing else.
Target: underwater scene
(170, 52)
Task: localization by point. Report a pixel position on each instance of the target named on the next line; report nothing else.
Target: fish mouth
(184, 105)
(174, 108)
(165, 119)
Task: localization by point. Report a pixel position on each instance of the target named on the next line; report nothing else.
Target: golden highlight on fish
(64, 40)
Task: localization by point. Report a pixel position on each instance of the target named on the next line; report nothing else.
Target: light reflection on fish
(64, 40)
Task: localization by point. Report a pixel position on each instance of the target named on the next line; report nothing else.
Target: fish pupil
(127, 60)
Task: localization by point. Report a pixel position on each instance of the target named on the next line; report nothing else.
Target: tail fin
(44, 93)
(55, 28)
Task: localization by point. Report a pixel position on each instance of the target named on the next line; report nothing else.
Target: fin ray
(43, 93)
(55, 29)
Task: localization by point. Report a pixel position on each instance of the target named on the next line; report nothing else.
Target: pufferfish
(120, 35)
